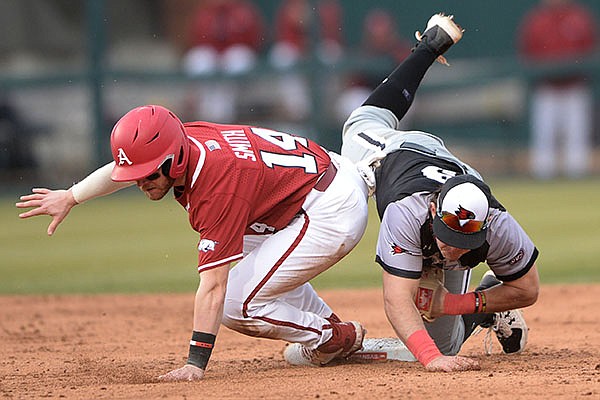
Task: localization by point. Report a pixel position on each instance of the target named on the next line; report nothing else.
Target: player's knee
(233, 317)
(232, 312)
(241, 320)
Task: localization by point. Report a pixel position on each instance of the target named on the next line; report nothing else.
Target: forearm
(97, 184)
(406, 320)
(403, 316)
(408, 325)
(208, 308)
(208, 313)
(506, 297)
(520, 293)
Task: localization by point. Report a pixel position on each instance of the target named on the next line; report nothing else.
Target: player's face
(450, 253)
(155, 186)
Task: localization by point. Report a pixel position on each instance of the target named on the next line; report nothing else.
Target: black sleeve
(396, 93)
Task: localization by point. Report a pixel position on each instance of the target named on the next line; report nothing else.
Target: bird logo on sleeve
(395, 249)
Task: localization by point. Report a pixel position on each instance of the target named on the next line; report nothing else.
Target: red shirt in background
(222, 24)
(553, 32)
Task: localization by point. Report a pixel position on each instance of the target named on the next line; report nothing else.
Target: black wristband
(201, 347)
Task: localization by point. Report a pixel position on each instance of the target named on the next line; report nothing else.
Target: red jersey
(557, 32)
(244, 180)
(293, 23)
(225, 24)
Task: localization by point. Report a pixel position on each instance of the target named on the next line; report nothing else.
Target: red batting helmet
(143, 139)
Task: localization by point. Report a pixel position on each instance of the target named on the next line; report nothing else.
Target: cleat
(511, 331)
(509, 326)
(347, 339)
(440, 34)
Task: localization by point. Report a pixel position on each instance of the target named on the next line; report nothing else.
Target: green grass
(125, 243)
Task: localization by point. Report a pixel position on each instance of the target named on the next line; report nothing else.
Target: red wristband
(422, 347)
(459, 304)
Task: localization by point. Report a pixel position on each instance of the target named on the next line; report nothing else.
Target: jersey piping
(200, 160)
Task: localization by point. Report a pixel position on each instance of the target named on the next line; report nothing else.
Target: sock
(397, 92)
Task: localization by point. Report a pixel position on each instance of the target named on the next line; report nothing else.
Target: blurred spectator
(381, 44)
(225, 36)
(292, 45)
(562, 103)
(15, 139)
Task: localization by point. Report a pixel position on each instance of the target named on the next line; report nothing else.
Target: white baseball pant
(268, 292)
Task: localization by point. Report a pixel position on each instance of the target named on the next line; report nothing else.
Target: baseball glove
(430, 285)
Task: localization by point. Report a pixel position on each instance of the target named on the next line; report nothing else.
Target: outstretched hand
(42, 201)
(186, 373)
(452, 363)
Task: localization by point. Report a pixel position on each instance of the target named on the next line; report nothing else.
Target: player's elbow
(525, 297)
(531, 296)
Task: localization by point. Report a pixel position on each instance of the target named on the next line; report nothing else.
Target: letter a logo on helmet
(123, 157)
(143, 139)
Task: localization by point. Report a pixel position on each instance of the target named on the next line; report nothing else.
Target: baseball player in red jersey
(279, 205)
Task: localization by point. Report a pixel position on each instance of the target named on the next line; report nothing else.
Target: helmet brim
(457, 239)
(130, 173)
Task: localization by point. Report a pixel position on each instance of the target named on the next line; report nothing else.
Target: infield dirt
(114, 347)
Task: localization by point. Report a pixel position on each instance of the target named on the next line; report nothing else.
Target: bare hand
(186, 373)
(55, 203)
(452, 363)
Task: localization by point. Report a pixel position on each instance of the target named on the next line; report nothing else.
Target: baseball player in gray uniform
(438, 221)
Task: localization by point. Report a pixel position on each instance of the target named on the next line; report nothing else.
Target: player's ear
(432, 207)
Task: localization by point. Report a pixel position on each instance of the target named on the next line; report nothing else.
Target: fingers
(32, 200)
(185, 373)
(53, 225)
(32, 213)
(172, 377)
(37, 194)
(166, 377)
(466, 364)
(453, 363)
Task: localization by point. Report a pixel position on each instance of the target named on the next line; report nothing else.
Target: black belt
(326, 179)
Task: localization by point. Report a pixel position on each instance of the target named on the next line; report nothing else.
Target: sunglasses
(154, 176)
(452, 222)
(164, 168)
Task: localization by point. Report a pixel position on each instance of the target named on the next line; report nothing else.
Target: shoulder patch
(212, 145)
(518, 257)
(207, 245)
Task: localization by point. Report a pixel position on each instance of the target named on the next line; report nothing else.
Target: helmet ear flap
(166, 167)
(181, 156)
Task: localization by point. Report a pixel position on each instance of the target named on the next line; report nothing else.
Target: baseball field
(104, 306)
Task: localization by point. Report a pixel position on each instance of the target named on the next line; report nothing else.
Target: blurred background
(518, 103)
(525, 75)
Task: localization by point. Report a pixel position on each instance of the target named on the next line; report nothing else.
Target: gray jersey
(400, 247)
(412, 166)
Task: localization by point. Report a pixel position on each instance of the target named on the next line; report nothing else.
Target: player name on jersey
(241, 146)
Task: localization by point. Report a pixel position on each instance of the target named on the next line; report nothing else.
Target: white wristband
(97, 184)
